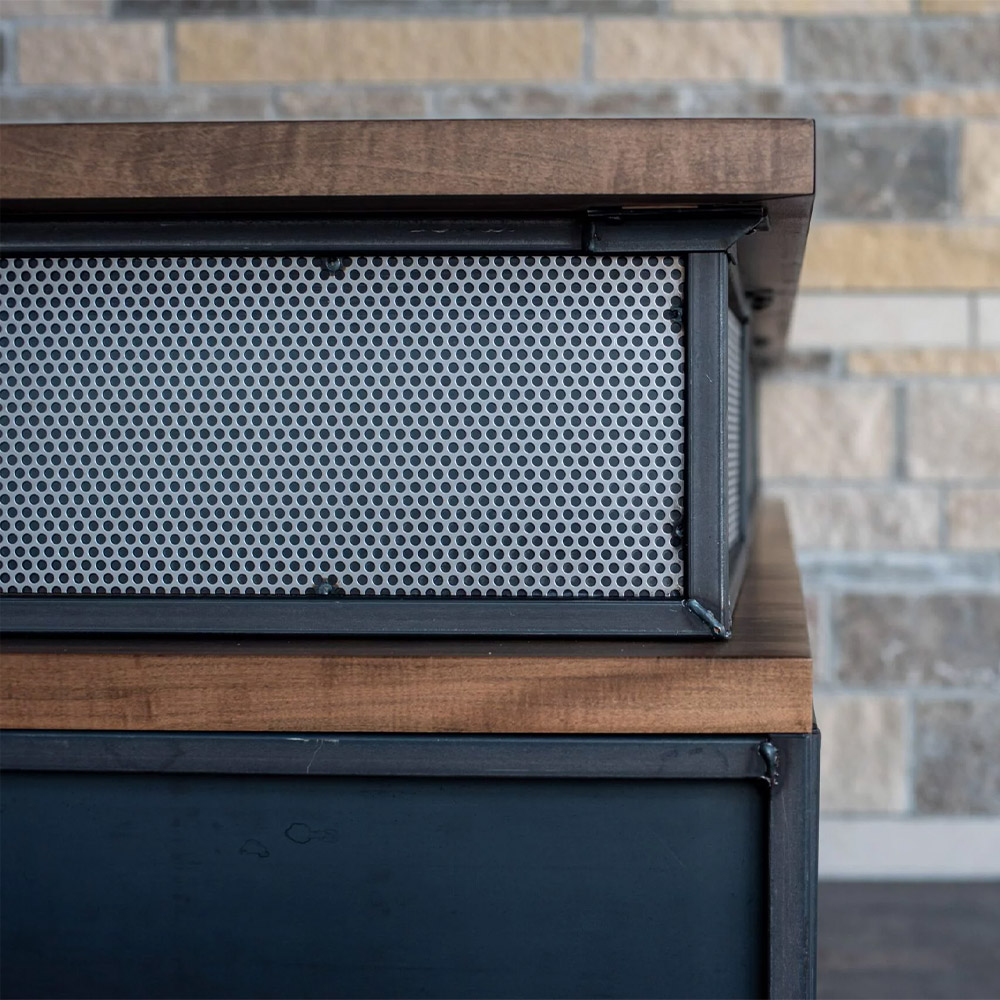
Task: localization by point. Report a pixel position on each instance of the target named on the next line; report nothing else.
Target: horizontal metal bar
(670, 231)
(690, 231)
(350, 616)
(708, 757)
(58, 237)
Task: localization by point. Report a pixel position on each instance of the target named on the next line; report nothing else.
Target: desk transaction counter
(568, 751)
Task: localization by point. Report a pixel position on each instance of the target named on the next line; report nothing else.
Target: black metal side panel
(234, 885)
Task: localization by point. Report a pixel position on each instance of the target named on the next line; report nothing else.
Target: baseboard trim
(910, 848)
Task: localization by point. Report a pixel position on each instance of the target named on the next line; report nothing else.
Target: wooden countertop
(598, 158)
(759, 681)
(459, 165)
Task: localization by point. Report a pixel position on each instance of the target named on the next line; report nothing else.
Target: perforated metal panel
(412, 426)
(734, 429)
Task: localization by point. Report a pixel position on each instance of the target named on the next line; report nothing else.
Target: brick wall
(882, 430)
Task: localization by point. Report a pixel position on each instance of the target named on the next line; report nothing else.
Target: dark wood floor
(918, 941)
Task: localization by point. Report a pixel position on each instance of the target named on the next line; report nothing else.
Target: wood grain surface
(759, 681)
(638, 158)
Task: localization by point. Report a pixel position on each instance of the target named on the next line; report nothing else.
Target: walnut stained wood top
(758, 682)
(636, 158)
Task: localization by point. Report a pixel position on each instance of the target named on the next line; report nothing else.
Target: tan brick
(974, 519)
(952, 104)
(988, 319)
(641, 49)
(852, 518)
(929, 361)
(956, 7)
(826, 430)
(91, 53)
(889, 255)
(791, 8)
(841, 320)
(52, 8)
(415, 50)
(952, 430)
(862, 729)
(981, 168)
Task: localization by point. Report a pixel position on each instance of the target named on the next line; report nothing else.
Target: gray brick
(134, 106)
(745, 100)
(848, 102)
(855, 50)
(53, 8)
(211, 8)
(546, 102)
(961, 51)
(379, 102)
(487, 8)
(895, 50)
(898, 572)
(940, 640)
(895, 171)
(957, 757)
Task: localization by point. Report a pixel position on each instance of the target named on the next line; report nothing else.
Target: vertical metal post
(707, 343)
(792, 862)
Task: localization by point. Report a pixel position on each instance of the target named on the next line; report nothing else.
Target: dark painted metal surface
(308, 234)
(231, 886)
(675, 230)
(733, 757)
(792, 865)
(689, 230)
(374, 865)
(707, 567)
(351, 615)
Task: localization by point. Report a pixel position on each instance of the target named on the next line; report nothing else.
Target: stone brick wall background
(882, 429)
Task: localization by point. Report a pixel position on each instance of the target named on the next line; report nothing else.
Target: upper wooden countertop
(597, 159)
(568, 164)
(760, 681)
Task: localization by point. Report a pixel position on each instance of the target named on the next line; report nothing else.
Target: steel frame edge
(704, 610)
(793, 838)
(707, 564)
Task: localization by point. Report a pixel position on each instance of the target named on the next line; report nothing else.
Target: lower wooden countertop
(759, 681)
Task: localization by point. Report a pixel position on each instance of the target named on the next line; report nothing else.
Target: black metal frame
(68, 233)
(707, 566)
(712, 576)
(787, 764)
(749, 482)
